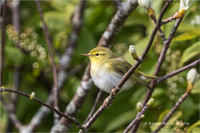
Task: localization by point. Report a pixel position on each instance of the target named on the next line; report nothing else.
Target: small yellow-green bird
(108, 68)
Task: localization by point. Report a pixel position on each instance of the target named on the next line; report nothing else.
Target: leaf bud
(32, 96)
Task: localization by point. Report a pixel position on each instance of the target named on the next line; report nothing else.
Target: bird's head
(100, 54)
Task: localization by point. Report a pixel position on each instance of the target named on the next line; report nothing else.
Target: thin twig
(158, 81)
(137, 118)
(161, 34)
(3, 23)
(49, 44)
(75, 103)
(110, 98)
(11, 115)
(168, 20)
(156, 27)
(133, 126)
(105, 40)
(63, 74)
(193, 64)
(160, 61)
(77, 21)
(94, 106)
(14, 6)
(46, 105)
(172, 111)
(117, 22)
(161, 58)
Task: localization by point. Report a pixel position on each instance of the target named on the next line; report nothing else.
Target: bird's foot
(107, 102)
(113, 91)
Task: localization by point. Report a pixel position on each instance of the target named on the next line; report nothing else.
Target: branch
(158, 81)
(172, 111)
(157, 26)
(75, 104)
(77, 21)
(46, 105)
(159, 64)
(63, 75)
(3, 23)
(106, 39)
(193, 64)
(14, 6)
(161, 34)
(47, 37)
(94, 106)
(118, 4)
(115, 90)
(162, 57)
(117, 22)
(11, 115)
(137, 118)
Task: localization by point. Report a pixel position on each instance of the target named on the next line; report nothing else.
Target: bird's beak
(86, 54)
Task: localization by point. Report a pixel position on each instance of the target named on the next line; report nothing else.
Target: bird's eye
(97, 54)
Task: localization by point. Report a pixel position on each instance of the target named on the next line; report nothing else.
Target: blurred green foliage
(36, 73)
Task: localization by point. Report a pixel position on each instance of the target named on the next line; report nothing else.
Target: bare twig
(11, 115)
(49, 44)
(169, 19)
(178, 71)
(106, 39)
(160, 61)
(94, 106)
(158, 81)
(161, 34)
(63, 75)
(46, 105)
(77, 21)
(75, 103)
(14, 6)
(157, 26)
(161, 57)
(137, 118)
(127, 75)
(3, 23)
(172, 111)
(117, 22)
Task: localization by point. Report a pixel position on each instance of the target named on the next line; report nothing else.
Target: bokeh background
(36, 74)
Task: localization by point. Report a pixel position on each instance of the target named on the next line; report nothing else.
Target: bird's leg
(113, 91)
(107, 102)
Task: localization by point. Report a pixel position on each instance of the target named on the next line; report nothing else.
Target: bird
(108, 68)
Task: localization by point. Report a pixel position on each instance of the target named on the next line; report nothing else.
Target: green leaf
(142, 19)
(61, 5)
(190, 52)
(86, 41)
(188, 107)
(193, 126)
(120, 120)
(170, 122)
(187, 35)
(158, 92)
(13, 56)
(175, 117)
(55, 21)
(162, 115)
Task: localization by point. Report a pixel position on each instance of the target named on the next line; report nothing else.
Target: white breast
(106, 80)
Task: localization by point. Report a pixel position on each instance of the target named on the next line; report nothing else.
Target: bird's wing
(121, 66)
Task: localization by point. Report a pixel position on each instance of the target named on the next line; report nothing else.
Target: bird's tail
(143, 78)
